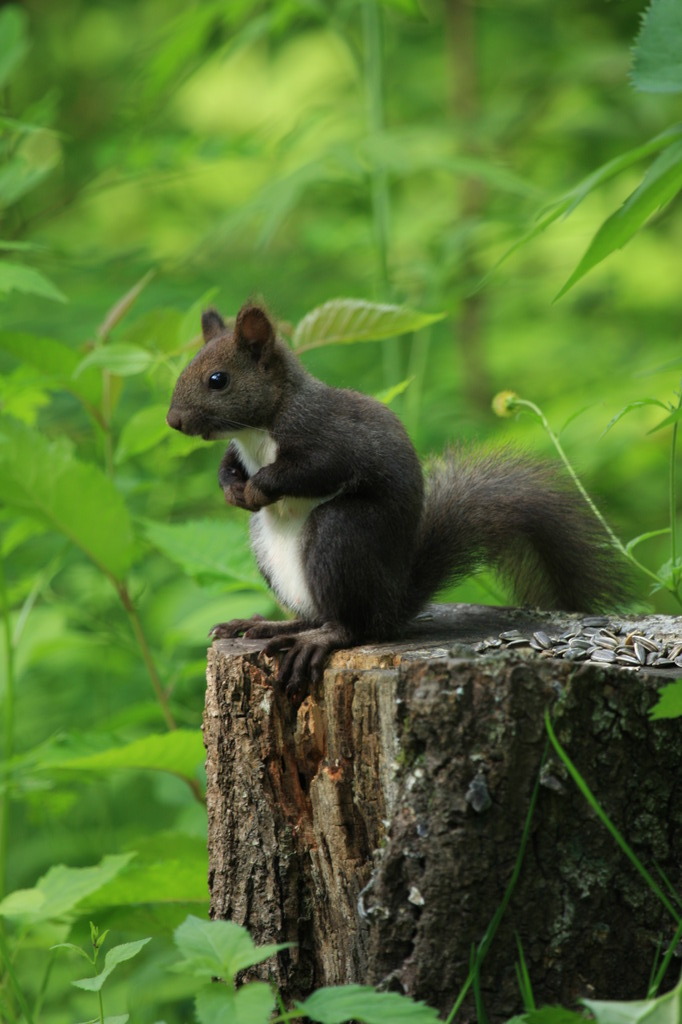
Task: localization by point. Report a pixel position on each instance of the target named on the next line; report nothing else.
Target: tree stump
(377, 827)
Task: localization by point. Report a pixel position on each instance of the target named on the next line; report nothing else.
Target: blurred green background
(296, 151)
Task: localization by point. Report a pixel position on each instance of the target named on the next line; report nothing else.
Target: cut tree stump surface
(377, 826)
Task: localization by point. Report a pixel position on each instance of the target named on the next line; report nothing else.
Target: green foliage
(365, 1005)
(59, 891)
(669, 703)
(347, 321)
(299, 151)
(657, 66)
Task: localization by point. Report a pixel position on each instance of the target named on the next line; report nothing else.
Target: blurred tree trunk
(465, 108)
(378, 827)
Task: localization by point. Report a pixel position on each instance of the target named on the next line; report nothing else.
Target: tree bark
(378, 826)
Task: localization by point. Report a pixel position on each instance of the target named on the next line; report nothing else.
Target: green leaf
(668, 421)
(346, 321)
(144, 430)
(13, 40)
(657, 59)
(14, 277)
(218, 948)
(366, 1005)
(632, 544)
(118, 1018)
(179, 752)
(553, 1015)
(208, 549)
(76, 498)
(73, 948)
(628, 408)
(119, 359)
(123, 306)
(661, 183)
(564, 205)
(60, 890)
(251, 1004)
(116, 955)
(55, 361)
(669, 704)
(664, 1010)
(168, 868)
(46, 354)
(388, 394)
(189, 327)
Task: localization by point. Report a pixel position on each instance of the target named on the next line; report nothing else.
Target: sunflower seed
(603, 655)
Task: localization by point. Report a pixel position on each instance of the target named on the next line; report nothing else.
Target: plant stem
(379, 191)
(672, 484)
(101, 1007)
(8, 734)
(615, 540)
(136, 625)
(6, 960)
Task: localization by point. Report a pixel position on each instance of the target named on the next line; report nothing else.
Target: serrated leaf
(668, 421)
(218, 948)
(669, 704)
(76, 498)
(13, 40)
(179, 752)
(60, 890)
(144, 430)
(365, 1005)
(657, 60)
(251, 1004)
(208, 549)
(660, 184)
(346, 321)
(632, 544)
(119, 359)
(115, 956)
(14, 277)
(640, 403)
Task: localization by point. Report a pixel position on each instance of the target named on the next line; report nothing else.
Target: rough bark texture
(377, 827)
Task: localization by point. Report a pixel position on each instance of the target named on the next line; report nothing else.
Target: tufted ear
(212, 324)
(254, 331)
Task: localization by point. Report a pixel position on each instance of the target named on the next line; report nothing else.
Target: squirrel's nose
(174, 419)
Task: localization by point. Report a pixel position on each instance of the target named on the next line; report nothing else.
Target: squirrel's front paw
(234, 493)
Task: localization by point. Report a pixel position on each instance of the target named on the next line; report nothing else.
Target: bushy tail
(519, 516)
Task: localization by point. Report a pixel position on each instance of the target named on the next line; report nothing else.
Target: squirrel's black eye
(218, 380)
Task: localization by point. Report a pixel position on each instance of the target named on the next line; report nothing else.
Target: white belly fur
(277, 530)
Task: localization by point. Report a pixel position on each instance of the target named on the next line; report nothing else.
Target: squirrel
(348, 531)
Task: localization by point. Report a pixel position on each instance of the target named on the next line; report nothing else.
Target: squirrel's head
(235, 381)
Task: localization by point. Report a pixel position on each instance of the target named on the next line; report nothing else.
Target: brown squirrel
(346, 530)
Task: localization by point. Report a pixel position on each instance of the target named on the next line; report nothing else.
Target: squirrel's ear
(212, 324)
(254, 331)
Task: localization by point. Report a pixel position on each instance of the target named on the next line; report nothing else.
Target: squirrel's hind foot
(305, 656)
(257, 627)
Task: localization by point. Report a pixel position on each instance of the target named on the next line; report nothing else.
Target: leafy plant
(115, 956)
(656, 68)
(221, 949)
(669, 576)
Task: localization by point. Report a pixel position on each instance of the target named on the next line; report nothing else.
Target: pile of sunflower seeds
(595, 638)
